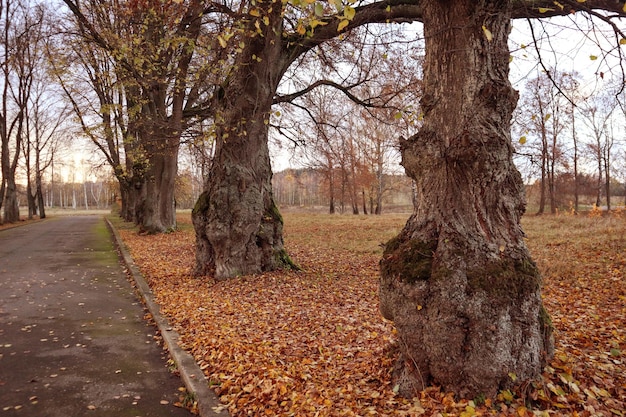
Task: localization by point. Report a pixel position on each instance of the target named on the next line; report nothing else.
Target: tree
(96, 94)
(152, 47)
(576, 152)
(331, 144)
(458, 281)
(22, 35)
(11, 119)
(321, 149)
(380, 149)
(45, 114)
(597, 114)
(238, 226)
(544, 111)
(47, 130)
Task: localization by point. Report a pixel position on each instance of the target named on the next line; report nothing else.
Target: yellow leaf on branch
(488, 33)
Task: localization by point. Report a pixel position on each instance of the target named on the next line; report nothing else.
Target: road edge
(191, 374)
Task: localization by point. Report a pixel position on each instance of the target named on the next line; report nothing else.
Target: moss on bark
(506, 279)
(410, 260)
(274, 213)
(202, 204)
(284, 261)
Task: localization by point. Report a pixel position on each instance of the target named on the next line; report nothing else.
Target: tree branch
(288, 98)
(541, 9)
(387, 11)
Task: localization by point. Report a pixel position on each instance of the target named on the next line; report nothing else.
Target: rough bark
(156, 211)
(41, 204)
(238, 226)
(458, 281)
(129, 195)
(30, 198)
(11, 208)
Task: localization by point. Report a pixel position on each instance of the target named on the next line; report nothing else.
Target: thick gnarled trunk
(238, 226)
(458, 282)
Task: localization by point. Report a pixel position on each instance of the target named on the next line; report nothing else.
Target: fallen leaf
(287, 343)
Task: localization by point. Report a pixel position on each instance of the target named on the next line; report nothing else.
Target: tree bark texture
(11, 207)
(41, 204)
(154, 162)
(156, 211)
(30, 198)
(458, 281)
(238, 226)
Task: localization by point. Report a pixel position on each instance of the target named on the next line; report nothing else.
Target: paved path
(73, 341)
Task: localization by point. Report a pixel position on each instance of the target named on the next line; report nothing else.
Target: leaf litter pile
(313, 343)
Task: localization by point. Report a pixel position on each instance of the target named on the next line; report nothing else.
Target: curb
(191, 374)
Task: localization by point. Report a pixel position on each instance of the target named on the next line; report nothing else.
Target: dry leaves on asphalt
(314, 344)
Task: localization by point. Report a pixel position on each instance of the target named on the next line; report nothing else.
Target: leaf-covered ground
(313, 343)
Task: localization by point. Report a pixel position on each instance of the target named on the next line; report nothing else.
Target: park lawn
(312, 343)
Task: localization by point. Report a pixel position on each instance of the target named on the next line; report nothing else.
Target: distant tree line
(308, 187)
(565, 191)
(87, 195)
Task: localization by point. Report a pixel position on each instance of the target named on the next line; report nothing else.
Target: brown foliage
(313, 343)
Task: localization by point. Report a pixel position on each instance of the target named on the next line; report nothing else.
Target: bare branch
(543, 65)
(541, 9)
(288, 98)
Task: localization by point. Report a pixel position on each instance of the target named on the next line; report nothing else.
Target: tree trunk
(238, 226)
(574, 139)
(458, 281)
(379, 188)
(600, 178)
(30, 199)
(551, 172)
(364, 201)
(158, 207)
(39, 196)
(39, 193)
(11, 208)
(607, 175)
(128, 199)
(544, 171)
(331, 189)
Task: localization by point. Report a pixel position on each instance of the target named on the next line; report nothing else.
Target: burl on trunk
(458, 281)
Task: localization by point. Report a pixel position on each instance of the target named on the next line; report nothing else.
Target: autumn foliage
(312, 343)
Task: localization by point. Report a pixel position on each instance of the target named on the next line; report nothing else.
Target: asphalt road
(73, 339)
